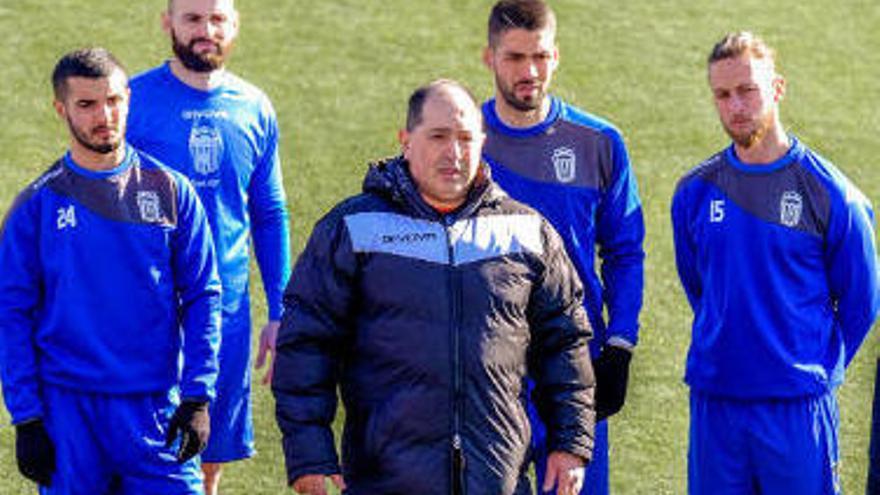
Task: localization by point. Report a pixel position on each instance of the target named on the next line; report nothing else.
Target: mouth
(449, 173)
(204, 45)
(104, 132)
(740, 122)
(526, 87)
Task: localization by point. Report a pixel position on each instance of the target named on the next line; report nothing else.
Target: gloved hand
(35, 452)
(612, 375)
(192, 422)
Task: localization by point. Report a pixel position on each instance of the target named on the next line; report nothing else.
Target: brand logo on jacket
(205, 148)
(791, 207)
(409, 238)
(564, 164)
(148, 204)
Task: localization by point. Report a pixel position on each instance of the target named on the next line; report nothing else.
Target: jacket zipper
(455, 328)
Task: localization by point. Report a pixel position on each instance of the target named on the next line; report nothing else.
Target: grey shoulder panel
(136, 195)
(566, 154)
(791, 196)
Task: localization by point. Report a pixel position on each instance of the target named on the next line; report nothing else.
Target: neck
(92, 160)
(772, 147)
(442, 207)
(204, 81)
(513, 117)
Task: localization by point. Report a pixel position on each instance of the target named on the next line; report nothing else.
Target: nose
(105, 114)
(737, 103)
(530, 70)
(455, 150)
(210, 30)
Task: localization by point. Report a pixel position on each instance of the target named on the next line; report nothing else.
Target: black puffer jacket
(428, 324)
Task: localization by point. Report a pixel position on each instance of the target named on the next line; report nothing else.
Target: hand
(565, 471)
(612, 375)
(267, 344)
(192, 422)
(35, 452)
(316, 484)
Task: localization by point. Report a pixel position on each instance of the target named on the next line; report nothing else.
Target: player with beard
(572, 167)
(221, 131)
(775, 250)
(91, 382)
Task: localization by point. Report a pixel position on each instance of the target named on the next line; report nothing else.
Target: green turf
(339, 72)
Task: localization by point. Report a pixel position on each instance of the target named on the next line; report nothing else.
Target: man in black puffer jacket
(427, 299)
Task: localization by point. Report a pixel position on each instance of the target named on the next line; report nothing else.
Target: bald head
(230, 4)
(421, 95)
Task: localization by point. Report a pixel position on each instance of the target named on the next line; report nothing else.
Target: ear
(403, 138)
(166, 22)
(59, 109)
(489, 58)
(235, 24)
(555, 61)
(778, 88)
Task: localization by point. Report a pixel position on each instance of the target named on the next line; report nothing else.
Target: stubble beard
(751, 138)
(509, 96)
(101, 148)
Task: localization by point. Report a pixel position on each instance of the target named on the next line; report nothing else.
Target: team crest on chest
(148, 204)
(564, 164)
(791, 206)
(206, 148)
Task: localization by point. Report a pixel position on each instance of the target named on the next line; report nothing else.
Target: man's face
(747, 92)
(523, 63)
(96, 111)
(444, 149)
(202, 32)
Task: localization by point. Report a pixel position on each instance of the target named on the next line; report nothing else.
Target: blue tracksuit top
(106, 277)
(226, 142)
(574, 169)
(779, 265)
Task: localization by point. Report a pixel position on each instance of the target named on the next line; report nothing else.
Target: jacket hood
(389, 178)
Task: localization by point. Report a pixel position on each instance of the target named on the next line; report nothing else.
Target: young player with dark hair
(109, 274)
(573, 167)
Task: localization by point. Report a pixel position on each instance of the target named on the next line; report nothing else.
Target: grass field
(339, 72)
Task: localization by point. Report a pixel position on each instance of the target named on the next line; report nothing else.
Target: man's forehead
(447, 106)
(202, 6)
(520, 39)
(115, 83)
(744, 67)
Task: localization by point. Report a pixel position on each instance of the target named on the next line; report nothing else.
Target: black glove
(35, 452)
(192, 422)
(612, 375)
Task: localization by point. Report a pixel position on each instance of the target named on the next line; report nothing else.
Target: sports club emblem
(790, 208)
(205, 148)
(148, 204)
(564, 164)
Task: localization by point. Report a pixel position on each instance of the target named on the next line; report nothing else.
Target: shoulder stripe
(492, 236)
(400, 235)
(471, 240)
